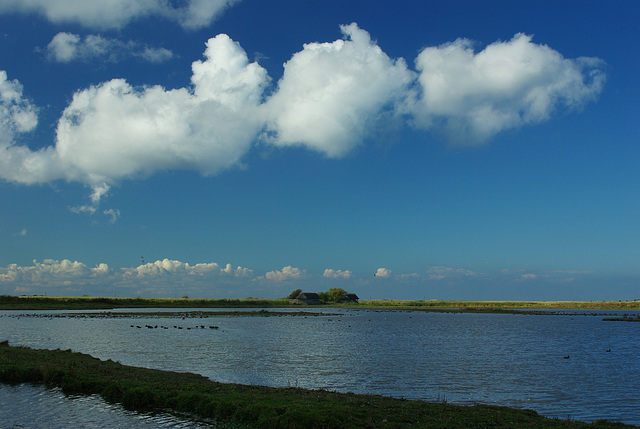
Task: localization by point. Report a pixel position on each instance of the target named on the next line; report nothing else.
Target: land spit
(39, 302)
(254, 406)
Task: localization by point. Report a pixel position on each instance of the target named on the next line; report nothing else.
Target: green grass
(11, 302)
(253, 406)
(548, 305)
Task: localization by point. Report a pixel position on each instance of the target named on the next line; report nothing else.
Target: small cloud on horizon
(383, 272)
(287, 273)
(442, 272)
(171, 278)
(336, 274)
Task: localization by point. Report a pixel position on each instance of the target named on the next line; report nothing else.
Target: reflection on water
(503, 359)
(27, 406)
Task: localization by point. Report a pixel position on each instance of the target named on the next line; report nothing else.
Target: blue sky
(405, 150)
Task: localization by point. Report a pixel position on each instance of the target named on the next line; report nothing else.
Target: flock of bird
(175, 327)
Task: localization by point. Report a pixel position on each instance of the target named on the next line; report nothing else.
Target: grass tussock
(254, 406)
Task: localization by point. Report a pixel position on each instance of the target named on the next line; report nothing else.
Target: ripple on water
(30, 406)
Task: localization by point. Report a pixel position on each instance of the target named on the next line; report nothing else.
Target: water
(28, 406)
(559, 366)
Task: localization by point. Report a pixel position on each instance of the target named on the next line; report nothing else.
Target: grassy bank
(10, 302)
(518, 305)
(254, 406)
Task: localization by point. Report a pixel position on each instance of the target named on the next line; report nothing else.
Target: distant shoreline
(39, 302)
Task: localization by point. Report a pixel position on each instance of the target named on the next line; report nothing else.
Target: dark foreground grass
(254, 406)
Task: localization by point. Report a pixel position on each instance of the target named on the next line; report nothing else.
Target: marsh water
(569, 366)
(29, 406)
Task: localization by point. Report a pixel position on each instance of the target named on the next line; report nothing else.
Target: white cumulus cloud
(442, 272)
(160, 278)
(191, 14)
(168, 267)
(337, 274)
(287, 273)
(200, 13)
(18, 116)
(112, 131)
(332, 93)
(383, 272)
(52, 272)
(67, 47)
(329, 99)
(473, 96)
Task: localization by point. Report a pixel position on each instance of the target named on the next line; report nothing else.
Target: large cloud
(473, 96)
(113, 130)
(331, 93)
(330, 98)
(18, 116)
(118, 13)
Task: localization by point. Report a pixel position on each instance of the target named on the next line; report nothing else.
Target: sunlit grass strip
(553, 305)
(146, 389)
(11, 302)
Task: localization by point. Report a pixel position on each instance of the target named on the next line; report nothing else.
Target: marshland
(385, 364)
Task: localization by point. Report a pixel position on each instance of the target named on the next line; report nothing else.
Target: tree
(294, 294)
(332, 296)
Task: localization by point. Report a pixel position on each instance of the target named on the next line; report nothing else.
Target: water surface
(568, 366)
(29, 406)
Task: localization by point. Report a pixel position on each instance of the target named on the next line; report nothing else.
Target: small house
(310, 298)
(348, 297)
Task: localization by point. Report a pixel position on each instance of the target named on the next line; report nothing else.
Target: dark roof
(308, 295)
(349, 297)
